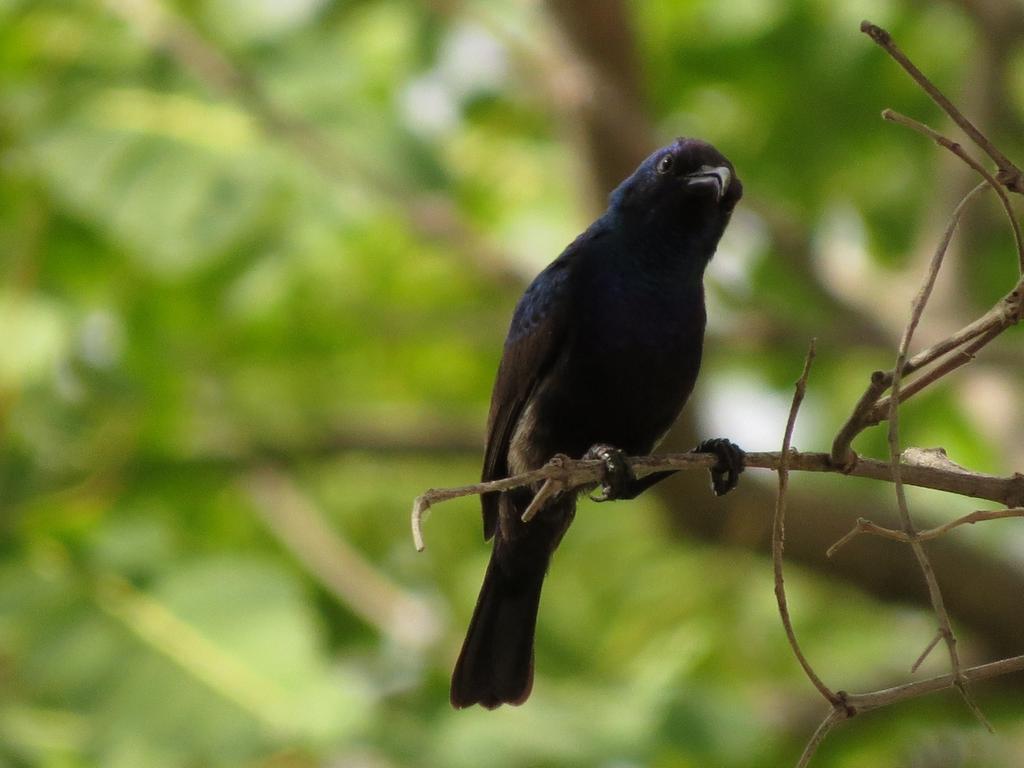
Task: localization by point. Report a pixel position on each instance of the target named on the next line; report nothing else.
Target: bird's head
(687, 180)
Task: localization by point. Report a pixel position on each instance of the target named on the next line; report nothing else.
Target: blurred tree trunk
(611, 120)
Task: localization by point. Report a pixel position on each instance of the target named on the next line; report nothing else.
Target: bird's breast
(636, 360)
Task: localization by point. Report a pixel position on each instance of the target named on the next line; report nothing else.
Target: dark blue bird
(603, 351)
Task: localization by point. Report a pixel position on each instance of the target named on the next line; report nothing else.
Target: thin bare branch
(960, 152)
(934, 591)
(865, 702)
(869, 410)
(1006, 312)
(865, 526)
(927, 651)
(552, 486)
(779, 533)
(957, 359)
(835, 716)
(842, 455)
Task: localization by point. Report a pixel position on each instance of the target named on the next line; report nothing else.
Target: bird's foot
(725, 474)
(618, 480)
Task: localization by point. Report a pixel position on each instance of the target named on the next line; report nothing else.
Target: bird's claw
(725, 474)
(618, 474)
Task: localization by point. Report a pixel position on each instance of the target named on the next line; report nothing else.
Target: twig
(959, 151)
(865, 702)
(927, 651)
(1009, 174)
(1006, 312)
(779, 533)
(842, 455)
(869, 409)
(865, 526)
(835, 716)
(959, 358)
(921, 300)
(934, 592)
(552, 486)
(579, 473)
(961, 348)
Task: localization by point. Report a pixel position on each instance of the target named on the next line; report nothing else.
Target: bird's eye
(665, 164)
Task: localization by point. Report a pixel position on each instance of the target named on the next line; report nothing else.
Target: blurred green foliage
(201, 273)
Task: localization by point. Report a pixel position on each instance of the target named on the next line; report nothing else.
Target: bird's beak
(717, 177)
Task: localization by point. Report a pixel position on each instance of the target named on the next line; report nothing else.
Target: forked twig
(779, 533)
(959, 358)
(865, 526)
(959, 151)
(1009, 174)
(552, 486)
(583, 471)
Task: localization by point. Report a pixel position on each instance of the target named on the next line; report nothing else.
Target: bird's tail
(496, 663)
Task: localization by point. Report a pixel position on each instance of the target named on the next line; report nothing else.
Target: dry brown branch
(923, 468)
(870, 410)
(552, 486)
(779, 534)
(577, 473)
(959, 358)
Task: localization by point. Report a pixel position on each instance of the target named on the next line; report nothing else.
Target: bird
(602, 352)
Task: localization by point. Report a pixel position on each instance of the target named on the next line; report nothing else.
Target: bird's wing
(535, 340)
